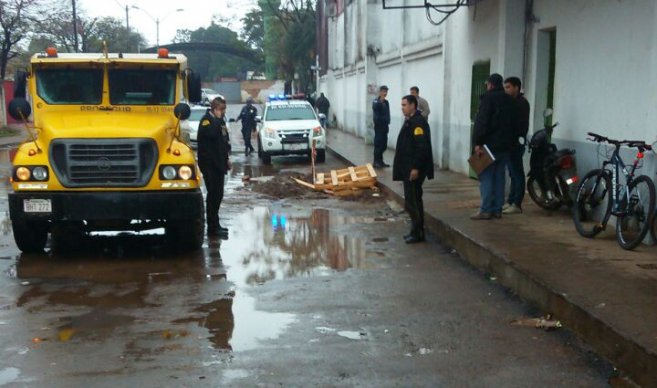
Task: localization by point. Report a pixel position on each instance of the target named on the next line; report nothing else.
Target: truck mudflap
(79, 206)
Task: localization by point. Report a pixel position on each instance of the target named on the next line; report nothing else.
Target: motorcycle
(552, 178)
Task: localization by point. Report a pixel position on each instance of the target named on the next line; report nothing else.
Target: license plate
(296, 146)
(37, 206)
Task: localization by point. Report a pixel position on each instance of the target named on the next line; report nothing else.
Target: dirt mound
(282, 186)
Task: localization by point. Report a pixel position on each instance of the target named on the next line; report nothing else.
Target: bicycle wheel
(636, 212)
(592, 204)
(540, 198)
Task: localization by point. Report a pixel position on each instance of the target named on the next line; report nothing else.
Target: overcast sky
(196, 14)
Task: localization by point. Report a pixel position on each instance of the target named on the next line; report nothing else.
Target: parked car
(288, 127)
(207, 95)
(189, 127)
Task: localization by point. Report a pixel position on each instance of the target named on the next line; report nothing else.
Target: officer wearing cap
(381, 113)
(413, 164)
(248, 117)
(213, 153)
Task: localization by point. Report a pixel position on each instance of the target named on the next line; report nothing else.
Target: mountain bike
(600, 195)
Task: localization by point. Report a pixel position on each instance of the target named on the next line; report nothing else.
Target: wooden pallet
(344, 181)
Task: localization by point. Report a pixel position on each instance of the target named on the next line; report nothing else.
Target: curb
(626, 354)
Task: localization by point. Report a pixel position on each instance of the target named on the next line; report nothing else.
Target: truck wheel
(66, 237)
(266, 158)
(30, 237)
(259, 148)
(321, 156)
(185, 235)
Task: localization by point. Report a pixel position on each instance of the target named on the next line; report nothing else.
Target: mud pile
(282, 186)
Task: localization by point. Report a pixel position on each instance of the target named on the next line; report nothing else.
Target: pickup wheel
(266, 158)
(259, 148)
(30, 237)
(185, 235)
(321, 156)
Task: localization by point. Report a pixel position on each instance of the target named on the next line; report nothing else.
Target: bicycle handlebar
(640, 144)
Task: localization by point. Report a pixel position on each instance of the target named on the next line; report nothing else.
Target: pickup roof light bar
(286, 97)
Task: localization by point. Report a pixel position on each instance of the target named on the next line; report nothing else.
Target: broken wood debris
(344, 182)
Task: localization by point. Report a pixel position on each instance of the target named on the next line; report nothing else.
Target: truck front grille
(294, 136)
(103, 162)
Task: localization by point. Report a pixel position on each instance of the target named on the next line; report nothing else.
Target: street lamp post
(157, 21)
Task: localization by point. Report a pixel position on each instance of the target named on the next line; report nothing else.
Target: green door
(480, 73)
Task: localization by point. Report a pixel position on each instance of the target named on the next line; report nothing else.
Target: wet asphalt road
(304, 292)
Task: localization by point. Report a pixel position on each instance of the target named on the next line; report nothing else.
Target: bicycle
(600, 195)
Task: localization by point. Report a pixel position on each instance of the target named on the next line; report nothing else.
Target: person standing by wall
(422, 104)
(322, 104)
(494, 127)
(381, 111)
(214, 162)
(413, 164)
(248, 117)
(515, 166)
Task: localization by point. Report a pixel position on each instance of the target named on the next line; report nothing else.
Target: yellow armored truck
(104, 152)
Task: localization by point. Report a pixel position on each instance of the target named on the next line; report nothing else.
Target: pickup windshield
(142, 86)
(70, 86)
(290, 112)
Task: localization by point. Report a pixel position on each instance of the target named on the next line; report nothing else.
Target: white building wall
(605, 75)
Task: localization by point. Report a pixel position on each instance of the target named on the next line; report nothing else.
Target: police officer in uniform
(248, 115)
(381, 116)
(213, 160)
(413, 164)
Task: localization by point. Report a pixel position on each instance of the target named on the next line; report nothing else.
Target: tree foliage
(16, 17)
(253, 30)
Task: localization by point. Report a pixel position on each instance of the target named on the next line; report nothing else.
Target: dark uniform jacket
(495, 124)
(381, 110)
(213, 143)
(323, 105)
(248, 115)
(413, 149)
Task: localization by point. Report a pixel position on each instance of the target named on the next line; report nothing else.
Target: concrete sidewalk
(606, 295)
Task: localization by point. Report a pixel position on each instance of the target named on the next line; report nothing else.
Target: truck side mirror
(20, 84)
(19, 109)
(258, 119)
(194, 88)
(182, 111)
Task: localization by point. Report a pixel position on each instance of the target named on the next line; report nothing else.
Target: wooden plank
(352, 172)
(320, 178)
(371, 170)
(302, 183)
(334, 178)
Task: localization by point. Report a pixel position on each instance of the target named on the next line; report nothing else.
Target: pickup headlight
(270, 133)
(317, 131)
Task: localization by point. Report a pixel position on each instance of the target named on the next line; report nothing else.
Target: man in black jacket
(516, 167)
(381, 112)
(494, 128)
(213, 153)
(413, 164)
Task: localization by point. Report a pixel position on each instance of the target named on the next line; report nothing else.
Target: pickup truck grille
(294, 136)
(103, 162)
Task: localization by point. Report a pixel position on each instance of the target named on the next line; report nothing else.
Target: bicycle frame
(617, 194)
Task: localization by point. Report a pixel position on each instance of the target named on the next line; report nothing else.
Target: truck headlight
(40, 173)
(270, 133)
(23, 173)
(185, 172)
(169, 173)
(317, 131)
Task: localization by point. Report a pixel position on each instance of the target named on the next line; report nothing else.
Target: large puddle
(130, 292)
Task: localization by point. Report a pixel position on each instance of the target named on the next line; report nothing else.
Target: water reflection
(275, 243)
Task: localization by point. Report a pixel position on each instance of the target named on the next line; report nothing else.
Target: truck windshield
(290, 112)
(70, 86)
(142, 86)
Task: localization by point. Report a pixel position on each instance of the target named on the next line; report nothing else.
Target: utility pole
(127, 23)
(75, 27)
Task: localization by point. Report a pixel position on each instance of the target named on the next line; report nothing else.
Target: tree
(15, 21)
(291, 38)
(253, 30)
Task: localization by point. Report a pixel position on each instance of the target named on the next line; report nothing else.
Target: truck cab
(104, 151)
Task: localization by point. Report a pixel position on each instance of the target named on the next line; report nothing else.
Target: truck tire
(30, 237)
(321, 156)
(266, 158)
(185, 235)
